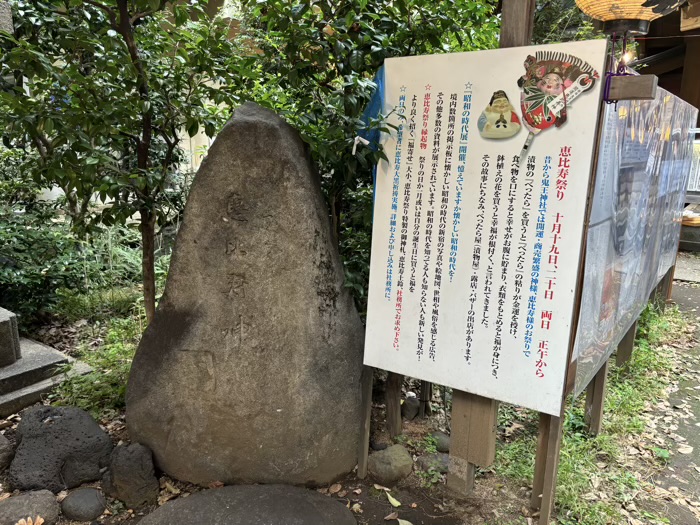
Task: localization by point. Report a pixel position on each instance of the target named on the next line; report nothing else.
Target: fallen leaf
(413, 505)
(392, 516)
(356, 508)
(216, 485)
(342, 493)
(379, 487)
(357, 491)
(165, 497)
(513, 428)
(404, 522)
(394, 502)
(335, 488)
(36, 521)
(685, 449)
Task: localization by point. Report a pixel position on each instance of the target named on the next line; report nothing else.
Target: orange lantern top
(627, 16)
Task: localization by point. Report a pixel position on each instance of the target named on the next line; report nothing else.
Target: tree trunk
(148, 227)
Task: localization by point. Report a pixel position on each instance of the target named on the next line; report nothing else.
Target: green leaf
(662, 453)
(299, 10)
(357, 60)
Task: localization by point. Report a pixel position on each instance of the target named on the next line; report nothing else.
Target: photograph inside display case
(644, 165)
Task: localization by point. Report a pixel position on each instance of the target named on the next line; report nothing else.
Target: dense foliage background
(98, 98)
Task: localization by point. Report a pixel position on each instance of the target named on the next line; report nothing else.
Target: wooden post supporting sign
(660, 294)
(473, 441)
(624, 349)
(595, 398)
(426, 394)
(366, 392)
(546, 465)
(517, 22)
(393, 403)
(474, 417)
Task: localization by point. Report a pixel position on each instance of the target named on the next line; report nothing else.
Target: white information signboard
(479, 217)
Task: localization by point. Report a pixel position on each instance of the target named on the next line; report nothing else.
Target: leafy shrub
(38, 256)
(102, 391)
(16, 184)
(315, 64)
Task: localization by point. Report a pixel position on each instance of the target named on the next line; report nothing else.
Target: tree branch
(39, 147)
(127, 31)
(130, 136)
(144, 14)
(110, 12)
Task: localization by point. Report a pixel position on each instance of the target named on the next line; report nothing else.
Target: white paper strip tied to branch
(359, 140)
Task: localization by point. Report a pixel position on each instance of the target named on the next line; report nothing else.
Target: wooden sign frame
(474, 418)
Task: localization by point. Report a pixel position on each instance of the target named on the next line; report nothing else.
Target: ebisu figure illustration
(499, 120)
(552, 80)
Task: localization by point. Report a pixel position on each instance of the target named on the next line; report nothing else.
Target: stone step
(15, 401)
(38, 362)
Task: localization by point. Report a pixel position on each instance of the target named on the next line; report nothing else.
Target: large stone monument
(250, 371)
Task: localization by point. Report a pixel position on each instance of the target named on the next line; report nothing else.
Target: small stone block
(39, 362)
(630, 87)
(9, 338)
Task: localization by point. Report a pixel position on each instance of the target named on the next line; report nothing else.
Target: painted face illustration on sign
(498, 120)
(552, 80)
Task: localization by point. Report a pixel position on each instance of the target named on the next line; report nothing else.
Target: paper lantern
(627, 16)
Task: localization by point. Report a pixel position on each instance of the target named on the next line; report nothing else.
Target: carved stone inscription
(250, 371)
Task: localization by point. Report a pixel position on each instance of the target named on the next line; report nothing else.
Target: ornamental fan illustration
(552, 80)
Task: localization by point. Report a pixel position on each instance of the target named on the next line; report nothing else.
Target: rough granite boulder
(442, 441)
(437, 462)
(32, 504)
(7, 452)
(59, 448)
(410, 408)
(390, 465)
(84, 504)
(253, 505)
(131, 476)
(250, 371)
